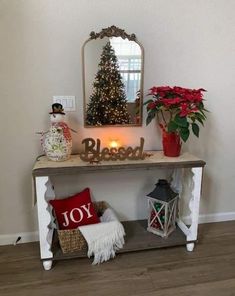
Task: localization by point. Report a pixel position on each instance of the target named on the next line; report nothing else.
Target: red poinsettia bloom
(170, 102)
(189, 97)
(185, 110)
(179, 90)
(153, 90)
(163, 89)
(177, 108)
(152, 105)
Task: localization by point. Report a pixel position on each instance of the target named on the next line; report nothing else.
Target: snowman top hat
(57, 109)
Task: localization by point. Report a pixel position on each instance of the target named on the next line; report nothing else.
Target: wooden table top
(155, 159)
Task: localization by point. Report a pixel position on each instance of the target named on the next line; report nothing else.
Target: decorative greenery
(177, 109)
(108, 104)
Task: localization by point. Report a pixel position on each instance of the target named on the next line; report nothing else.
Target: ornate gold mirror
(113, 64)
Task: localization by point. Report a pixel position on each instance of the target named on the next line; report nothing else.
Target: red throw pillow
(75, 211)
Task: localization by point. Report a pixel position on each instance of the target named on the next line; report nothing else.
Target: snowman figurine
(57, 142)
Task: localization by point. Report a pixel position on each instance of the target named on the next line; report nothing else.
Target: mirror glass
(112, 82)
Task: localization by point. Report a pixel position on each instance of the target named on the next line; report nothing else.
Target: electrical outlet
(68, 102)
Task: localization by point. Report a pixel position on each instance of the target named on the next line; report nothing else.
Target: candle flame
(114, 144)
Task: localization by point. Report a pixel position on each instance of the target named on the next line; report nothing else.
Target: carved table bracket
(44, 192)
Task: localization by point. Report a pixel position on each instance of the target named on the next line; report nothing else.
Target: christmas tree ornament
(57, 141)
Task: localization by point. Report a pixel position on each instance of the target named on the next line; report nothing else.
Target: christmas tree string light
(107, 104)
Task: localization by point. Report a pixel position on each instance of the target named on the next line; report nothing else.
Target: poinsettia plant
(177, 109)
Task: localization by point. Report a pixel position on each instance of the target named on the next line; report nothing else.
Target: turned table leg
(47, 264)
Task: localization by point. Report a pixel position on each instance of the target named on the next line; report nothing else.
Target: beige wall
(187, 43)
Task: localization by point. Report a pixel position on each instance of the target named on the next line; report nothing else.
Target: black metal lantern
(162, 206)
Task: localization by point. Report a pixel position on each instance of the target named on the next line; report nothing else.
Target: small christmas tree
(107, 104)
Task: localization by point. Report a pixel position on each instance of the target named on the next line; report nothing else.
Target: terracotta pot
(171, 144)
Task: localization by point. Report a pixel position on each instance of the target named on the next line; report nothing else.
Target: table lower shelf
(137, 238)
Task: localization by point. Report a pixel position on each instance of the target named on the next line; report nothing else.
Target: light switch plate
(68, 102)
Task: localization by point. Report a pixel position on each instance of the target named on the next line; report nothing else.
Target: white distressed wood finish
(190, 247)
(183, 227)
(176, 184)
(44, 192)
(47, 264)
(194, 204)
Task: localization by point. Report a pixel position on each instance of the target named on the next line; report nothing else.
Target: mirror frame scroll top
(109, 32)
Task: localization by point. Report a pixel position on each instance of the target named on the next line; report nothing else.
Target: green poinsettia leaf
(172, 126)
(202, 113)
(201, 116)
(202, 108)
(184, 134)
(150, 117)
(200, 120)
(195, 129)
(201, 105)
(147, 102)
(181, 121)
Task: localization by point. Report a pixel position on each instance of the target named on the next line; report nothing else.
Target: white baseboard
(210, 218)
(26, 237)
(219, 217)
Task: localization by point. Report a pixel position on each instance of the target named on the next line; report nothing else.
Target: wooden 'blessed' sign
(94, 153)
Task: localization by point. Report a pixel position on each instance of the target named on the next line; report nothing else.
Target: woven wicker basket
(72, 240)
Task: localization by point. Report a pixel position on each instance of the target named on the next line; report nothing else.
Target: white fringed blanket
(104, 238)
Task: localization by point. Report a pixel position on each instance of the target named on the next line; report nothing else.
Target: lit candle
(113, 144)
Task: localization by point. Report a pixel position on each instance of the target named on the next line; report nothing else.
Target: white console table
(137, 237)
